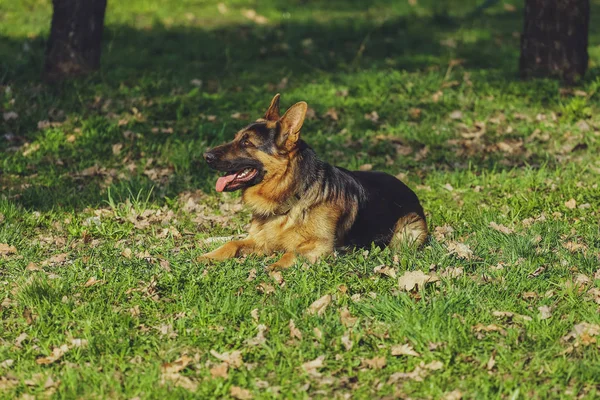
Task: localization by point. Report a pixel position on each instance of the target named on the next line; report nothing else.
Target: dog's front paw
(286, 261)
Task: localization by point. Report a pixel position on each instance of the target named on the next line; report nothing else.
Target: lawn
(106, 204)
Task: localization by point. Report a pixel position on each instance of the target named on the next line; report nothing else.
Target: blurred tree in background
(74, 45)
(555, 39)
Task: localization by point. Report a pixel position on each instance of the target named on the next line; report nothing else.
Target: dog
(303, 206)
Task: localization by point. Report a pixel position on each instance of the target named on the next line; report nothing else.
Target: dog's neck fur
(289, 187)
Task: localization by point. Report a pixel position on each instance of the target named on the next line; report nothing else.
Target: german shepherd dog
(303, 206)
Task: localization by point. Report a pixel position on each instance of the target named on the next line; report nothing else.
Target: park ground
(105, 205)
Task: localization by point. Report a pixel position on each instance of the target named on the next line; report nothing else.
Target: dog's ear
(272, 113)
(290, 124)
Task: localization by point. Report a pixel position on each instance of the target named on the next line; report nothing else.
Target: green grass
(113, 187)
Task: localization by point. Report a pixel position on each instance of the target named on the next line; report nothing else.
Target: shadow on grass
(240, 66)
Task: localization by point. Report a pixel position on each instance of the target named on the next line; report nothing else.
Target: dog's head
(260, 150)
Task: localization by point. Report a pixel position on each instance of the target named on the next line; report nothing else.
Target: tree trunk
(555, 39)
(75, 38)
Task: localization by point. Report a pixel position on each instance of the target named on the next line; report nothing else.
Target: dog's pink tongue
(223, 181)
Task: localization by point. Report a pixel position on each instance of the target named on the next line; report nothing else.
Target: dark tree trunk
(555, 39)
(75, 38)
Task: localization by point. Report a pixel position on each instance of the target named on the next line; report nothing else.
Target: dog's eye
(246, 142)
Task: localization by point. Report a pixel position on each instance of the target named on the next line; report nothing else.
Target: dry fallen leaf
(241, 394)
(545, 312)
(251, 275)
(92, 281)
(294, 332)
(347, 319)
(6, 250)
(57, 353)
(265, 288)
(220, 371)
(366, 167)
(404, 350)
(461, 250)
(260, 336)
(491, 362)
(456, 114)
(584, 333)
(382, 269)
(375, 362)
(415, 280)
(233, 359)
(170, 372)
(373, 116)
(319, 306)
(571, 204)
(501, 228)
(453, 395)
(347, 342)
(312, 367)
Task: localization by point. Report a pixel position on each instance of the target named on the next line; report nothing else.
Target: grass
(107, 203)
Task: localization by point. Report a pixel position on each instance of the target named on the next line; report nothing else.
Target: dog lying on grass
(304, 206)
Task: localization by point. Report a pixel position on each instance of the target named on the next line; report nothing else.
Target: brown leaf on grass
(418, 374)
(165, 264)
(332, 113)
(92, 281)
(582, 280)
(260, 336)
(253, 16)
(584, 333)
(319, 306)
(404, 350)
(373, 116)
(594, 294)
(545, 312)
(265, 288)
(318, 333)
(220, 371)
(171, 372)
(415, 280)
(366, 167)
(32, 267)
(574, 247)
(456, 114)
(294, 332)
(437, 96)
(251, 275)
(241, 394)
(491, 363)
(312, 367)
(55, 260)
(441, 232)
(240, 116)
(479, 329)
(277, 277)
(347, 319)
(452, 272)
(57, 353)
(374, 363)
(384, 270)
(537, 272)
(501, 228)
(347, 342)
(453, 395)
(20, 339)
(254, 314)
(461, 250)
(233, 359)
(415, 113)
(7, 250)
(6, 364)
(7, 382)
(571, 204)
(127, 253)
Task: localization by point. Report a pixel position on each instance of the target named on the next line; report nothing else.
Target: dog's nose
(209, 157)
